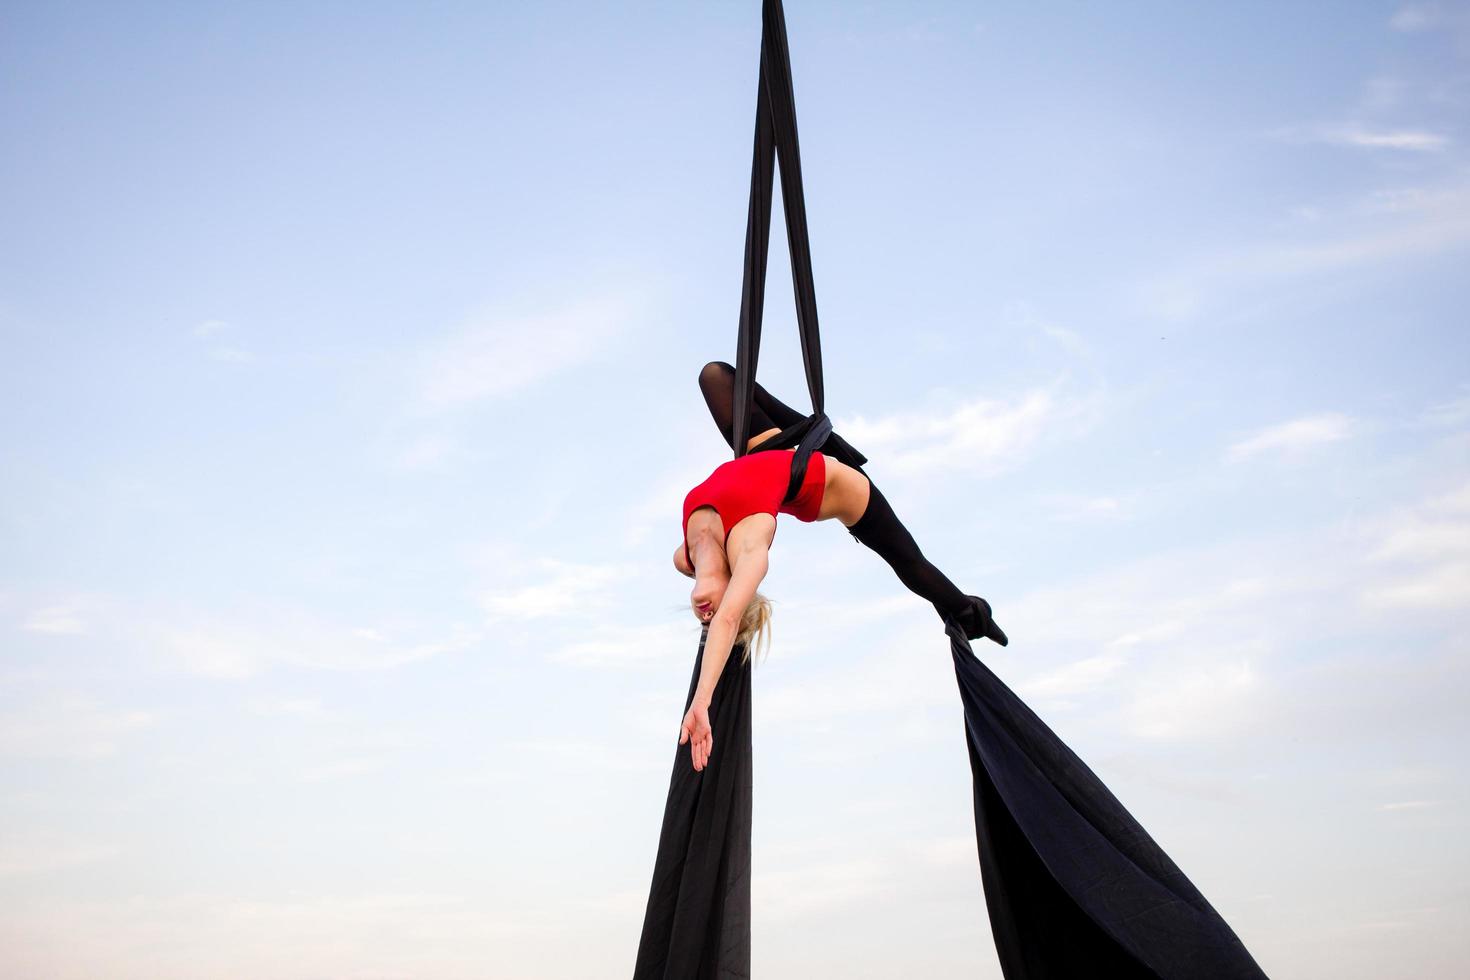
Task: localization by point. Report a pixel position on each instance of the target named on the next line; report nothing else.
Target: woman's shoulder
(752, 533)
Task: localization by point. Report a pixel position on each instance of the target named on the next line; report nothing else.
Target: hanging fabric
(1073, 884)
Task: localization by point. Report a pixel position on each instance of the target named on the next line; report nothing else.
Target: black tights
(879, 528)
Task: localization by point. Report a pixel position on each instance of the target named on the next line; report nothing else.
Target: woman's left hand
(697, 732)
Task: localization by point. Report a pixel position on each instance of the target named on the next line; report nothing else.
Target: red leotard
(754, 484)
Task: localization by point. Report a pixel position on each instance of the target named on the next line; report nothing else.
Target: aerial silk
(1075, 887)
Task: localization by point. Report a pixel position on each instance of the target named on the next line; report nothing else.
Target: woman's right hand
(697, 732)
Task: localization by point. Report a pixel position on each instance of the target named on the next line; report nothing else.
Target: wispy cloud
(428, 452)
(1381, 227)
(568, 590)
(982, 435)
(235, 355)
(1453, 413)
(47, 853)
(1294, 436)
(59, 620)
(1212, 642)
(1366, 137)
(1073, 678)
(213, 330)
(69, 726)
(1442, 587)
(294, 707)
(1073, 508)
(230, 648)
(498, 353)
(1416, 140)
(1427, 550)
(1418, 18)
(1195, 699)
(614, 644)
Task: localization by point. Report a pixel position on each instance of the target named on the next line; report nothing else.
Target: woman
(730, 522)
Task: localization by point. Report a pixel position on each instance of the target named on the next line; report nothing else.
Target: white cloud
(1428, 548)
(1069, 509)
(340, 769)
(1416, 18)
(1444, 587)
(981, 435)
(610, 644)
(428, 452)
(1194, 698)
(231, 649)
(44, 854)
(571, 591)
(1413, 140)
(1378, 229)
(1254, 638)
(1073, 678)
(1455, 501)
(500, 354)
(1453, 413)
(1294, 436)
(820, 889)
(297, 707)
(235, 355)
(570, 755)
(295, 930)
(1383, 92)
(1361, 136)
(1416, 538)
(68, 727)
(212, 329)
(60, 620)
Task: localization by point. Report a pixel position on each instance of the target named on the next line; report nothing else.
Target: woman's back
(756, 484)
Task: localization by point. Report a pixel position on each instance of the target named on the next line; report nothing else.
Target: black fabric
(775, 137)
(696, 924)
(1074, 886)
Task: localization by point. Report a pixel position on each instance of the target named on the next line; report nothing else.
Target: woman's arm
(746, 573)
(748, 570)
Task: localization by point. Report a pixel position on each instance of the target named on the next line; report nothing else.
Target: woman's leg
(880, 529)
(717, 381)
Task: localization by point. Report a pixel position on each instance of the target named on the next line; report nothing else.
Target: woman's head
(711, 574)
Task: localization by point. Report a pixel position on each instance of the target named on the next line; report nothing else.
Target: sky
(349, 399)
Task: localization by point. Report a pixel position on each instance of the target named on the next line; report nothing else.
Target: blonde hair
(755, 622)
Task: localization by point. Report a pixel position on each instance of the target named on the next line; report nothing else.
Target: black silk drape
(1074, 886)
(697, 923)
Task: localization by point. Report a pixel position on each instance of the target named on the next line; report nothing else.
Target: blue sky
(349, 402)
